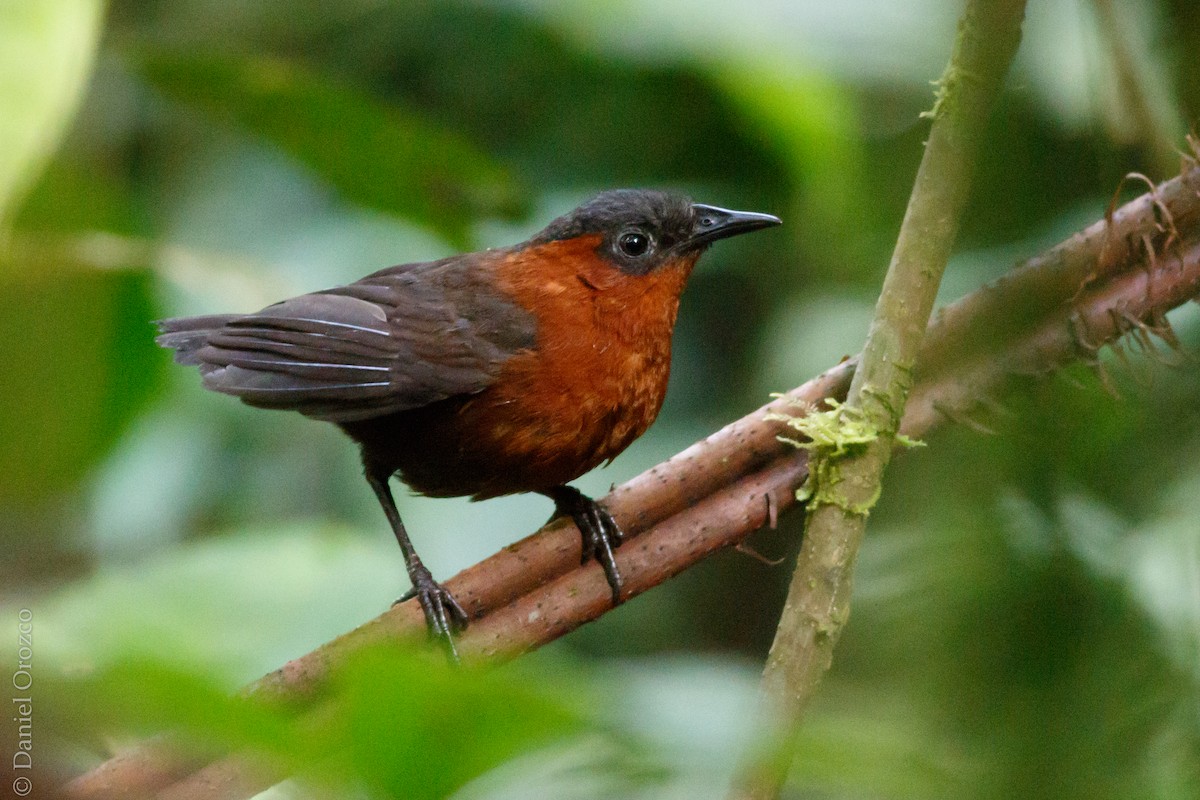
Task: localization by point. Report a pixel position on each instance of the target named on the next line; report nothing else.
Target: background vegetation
(1027, 614)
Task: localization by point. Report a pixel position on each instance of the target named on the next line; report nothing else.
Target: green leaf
(144, 697)
(376, 153)
(163, 644)
(396, 722)
(78, 192)
(46, 50)
(77, 361)
(409, 724)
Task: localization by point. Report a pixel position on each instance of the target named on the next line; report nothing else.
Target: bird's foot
(600, 532)
(443, 615)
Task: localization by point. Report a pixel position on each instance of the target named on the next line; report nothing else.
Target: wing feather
(400, 339)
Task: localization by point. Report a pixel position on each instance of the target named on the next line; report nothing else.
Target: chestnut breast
(593, 383)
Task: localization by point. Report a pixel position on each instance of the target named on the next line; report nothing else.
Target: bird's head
(641, 231)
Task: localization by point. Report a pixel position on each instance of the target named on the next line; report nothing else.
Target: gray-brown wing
(400, 339)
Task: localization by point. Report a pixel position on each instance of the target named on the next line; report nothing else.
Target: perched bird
(510, 370)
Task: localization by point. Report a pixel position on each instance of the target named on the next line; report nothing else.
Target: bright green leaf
(46, 49)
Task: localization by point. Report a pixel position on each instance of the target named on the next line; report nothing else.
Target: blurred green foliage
(436, 178)
(77, 335)
(393, 726)
(1027, 611)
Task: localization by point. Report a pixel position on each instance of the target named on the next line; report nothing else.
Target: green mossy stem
(851, 445)
(830, 436)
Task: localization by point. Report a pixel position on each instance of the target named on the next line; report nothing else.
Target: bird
(508, 370)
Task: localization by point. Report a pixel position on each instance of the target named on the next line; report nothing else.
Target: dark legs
(443, 614)
(601, 534)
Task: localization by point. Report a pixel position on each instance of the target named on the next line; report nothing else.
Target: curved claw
(601, 533)
(443, 615)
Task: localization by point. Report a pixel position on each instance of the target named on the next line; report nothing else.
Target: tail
(186, 335)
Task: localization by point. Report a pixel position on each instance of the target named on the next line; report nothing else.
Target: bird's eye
(634, 244)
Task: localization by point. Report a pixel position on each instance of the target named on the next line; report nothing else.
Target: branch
(849, 461)
(1133, 265)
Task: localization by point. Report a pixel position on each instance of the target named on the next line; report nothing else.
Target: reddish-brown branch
(715, 493)
(552, 553)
